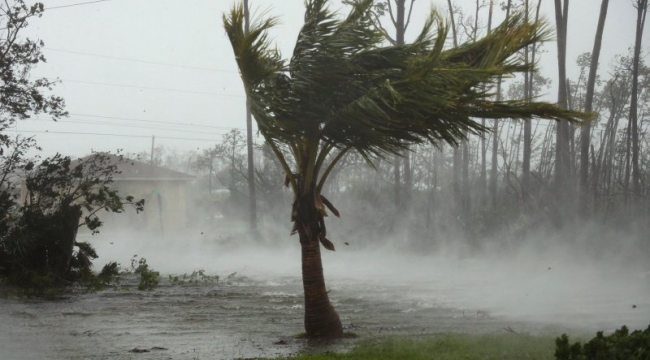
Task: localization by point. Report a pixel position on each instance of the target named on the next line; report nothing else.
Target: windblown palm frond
(345, 88)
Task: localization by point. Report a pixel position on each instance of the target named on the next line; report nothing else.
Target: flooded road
(255, 308)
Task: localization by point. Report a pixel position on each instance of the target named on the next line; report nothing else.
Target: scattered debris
(87, 333)
(479, 314)
(509, 329)
(155, 348)
(280, 342)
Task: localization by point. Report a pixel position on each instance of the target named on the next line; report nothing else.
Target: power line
(150, 88)
(91, 122)
(106, 134)
(155, 121)
(142, 61)
(77, 4)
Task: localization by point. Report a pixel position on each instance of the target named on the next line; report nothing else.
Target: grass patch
(448, 347)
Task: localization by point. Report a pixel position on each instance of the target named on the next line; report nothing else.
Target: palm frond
(344, 87)
(256, 60)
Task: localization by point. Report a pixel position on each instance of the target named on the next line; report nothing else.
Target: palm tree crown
(345, 89)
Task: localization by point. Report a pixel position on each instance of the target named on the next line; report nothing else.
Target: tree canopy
(346, 88)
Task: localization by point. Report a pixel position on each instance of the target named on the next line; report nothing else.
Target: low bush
(621, 345)
(38, 229)
(149, 279)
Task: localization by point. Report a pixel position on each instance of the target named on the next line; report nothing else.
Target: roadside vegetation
(447, 347)
(44, 201)
(620, 345)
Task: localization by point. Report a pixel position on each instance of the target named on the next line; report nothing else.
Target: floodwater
(255, 308)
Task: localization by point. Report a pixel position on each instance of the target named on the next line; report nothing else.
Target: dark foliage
(149, 278)
(20, 96)
(39, 245)
(621, 345)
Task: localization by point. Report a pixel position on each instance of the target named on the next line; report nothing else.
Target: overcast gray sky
(131, 69)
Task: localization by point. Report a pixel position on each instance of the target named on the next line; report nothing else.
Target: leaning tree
(345, 90)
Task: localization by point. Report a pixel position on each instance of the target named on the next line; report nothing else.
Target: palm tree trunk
(320, 317)
(321, 320)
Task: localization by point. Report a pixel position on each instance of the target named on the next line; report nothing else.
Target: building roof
(138, 170)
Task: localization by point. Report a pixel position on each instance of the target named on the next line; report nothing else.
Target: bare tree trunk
(494, 161)
(496, 132)
(453, 23)
(398, 181)
(457, 163)
(585, 133)
(628, 161)
(408, 178)
(483, 178)
(516, 152)
(252, 203)
(562, 138)
(642, 9)
(401, 20)
(547, 154)
(525, 175)
(465, 191)
(400, 31)
(210, 175)
(437, 156)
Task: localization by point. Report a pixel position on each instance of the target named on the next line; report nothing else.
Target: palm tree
(344, 90)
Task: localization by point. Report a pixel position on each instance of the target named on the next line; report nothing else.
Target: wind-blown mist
(543, 281)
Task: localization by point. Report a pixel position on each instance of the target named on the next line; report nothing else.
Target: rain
(160, 199)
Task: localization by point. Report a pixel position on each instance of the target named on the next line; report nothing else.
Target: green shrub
(149, 279)
(38, 236)
(621, 345)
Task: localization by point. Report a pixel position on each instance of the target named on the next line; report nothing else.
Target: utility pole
(252, 206)
(153, 140)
